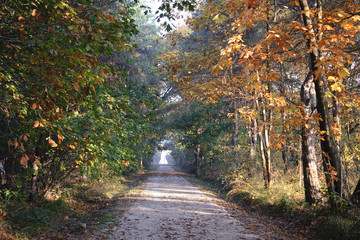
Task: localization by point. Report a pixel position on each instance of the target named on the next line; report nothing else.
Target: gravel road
(170, 207)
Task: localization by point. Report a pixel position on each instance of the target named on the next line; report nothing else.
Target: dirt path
(170, 207)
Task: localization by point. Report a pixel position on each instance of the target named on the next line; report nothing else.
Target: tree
(311, 179)
(65, 106)
(254, 54)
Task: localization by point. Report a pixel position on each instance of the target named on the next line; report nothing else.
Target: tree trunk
(330, 154)
(235, 134)
(284, 127)
(265, 161)
(284, 146)
(252, 136)
(337, 122)
(265, 147)
(311, 179)
(197, 161)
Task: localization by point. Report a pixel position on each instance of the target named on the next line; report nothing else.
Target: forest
(258, 97)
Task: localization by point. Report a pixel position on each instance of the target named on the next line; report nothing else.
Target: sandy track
(170, 207)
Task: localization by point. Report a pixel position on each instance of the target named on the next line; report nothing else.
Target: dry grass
(284, 195)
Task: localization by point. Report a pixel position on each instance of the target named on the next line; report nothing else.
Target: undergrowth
(68, 209)
(285, 198)
(25, 219)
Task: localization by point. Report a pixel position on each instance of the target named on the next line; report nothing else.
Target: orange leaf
(52, 143)
(24, 160)
(348, 26)
(22, 148)
(33, 13)
(60, 138)
(36, 124)
(33, 106)
(16, 144)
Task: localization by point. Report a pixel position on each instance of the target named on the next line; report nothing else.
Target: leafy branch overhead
(68, 100)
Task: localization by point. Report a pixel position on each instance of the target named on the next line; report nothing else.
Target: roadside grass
(285, 195)
(75, 207)
(285, 201)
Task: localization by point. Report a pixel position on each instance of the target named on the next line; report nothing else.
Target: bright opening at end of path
(163, 158)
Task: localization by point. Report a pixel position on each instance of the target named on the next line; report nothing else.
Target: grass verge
(283, 204)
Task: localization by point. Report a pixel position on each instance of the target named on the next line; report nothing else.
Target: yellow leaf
(337, 86)
(331, 79)
(328, 27)
(72, 146)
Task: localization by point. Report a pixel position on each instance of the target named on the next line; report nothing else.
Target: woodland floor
(169, 207)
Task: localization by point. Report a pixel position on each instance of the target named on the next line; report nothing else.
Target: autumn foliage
(256, 57)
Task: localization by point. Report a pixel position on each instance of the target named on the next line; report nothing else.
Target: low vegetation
(75, 207)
